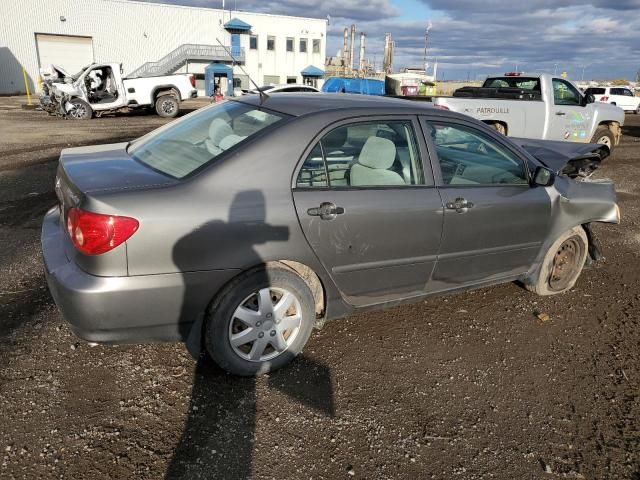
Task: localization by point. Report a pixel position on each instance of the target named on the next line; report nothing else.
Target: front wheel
(167, 106)
(604, 136)
(260, 322)
(79, 109)
(562, 264)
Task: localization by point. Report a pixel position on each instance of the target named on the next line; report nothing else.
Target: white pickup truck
(100, 88)
(538, 106)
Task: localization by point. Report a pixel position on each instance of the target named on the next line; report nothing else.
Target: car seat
(372, 167)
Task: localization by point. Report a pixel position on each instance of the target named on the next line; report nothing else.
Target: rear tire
(604, 136)
(562, 264)
(167, 106)
(266, 337)
(500, 128)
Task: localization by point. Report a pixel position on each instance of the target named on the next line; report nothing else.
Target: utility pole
(426, 43)
(583, 66)
(555, 69)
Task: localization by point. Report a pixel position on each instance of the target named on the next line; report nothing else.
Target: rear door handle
(326, 211)
(460, 205)
(560, 113)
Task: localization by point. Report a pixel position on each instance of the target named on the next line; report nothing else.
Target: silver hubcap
(604, 140)
(78, 111)
(168, 107)
(265, 324)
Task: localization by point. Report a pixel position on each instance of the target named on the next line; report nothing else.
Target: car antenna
(263, 95)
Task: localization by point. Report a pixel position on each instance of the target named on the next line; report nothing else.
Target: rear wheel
(562, 264)
(604, 136)
(167, 106)
(80, 110)
(260, 322)
(499, 127)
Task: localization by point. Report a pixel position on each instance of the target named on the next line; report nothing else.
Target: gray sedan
(242, 225)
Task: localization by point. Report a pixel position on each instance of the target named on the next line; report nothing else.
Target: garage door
(70, 53)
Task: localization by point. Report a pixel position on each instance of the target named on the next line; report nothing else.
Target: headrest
(218, 130)
(229, 141)
(335, 139)
(378, 153)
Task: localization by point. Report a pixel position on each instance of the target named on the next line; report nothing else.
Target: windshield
(182, 147)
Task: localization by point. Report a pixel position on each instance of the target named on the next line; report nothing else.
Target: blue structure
(237, 25)
(363, 86)
(313, 72)
(214, 71)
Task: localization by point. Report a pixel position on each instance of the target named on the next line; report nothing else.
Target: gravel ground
(470, 386)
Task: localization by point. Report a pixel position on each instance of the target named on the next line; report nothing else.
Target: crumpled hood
(556, 155)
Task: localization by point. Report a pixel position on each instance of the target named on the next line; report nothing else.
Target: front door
(570, 118)
(494, 221)
(370, 211)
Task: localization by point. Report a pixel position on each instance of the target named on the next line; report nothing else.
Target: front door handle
(560, 113)
(460, 205)
(326, 211)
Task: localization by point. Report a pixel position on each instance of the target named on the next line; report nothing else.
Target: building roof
(312, 71)
(237, 24)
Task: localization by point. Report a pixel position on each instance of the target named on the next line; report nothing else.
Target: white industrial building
(156, 39)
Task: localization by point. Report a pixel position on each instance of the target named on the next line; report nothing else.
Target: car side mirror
(543, 177)
(589, 98)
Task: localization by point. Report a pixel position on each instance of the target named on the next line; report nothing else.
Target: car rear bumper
(133, 309)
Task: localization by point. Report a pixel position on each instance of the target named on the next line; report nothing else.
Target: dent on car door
(494, 221)
(369, 210)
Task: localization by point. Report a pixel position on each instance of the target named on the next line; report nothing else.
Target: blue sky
(472, 38)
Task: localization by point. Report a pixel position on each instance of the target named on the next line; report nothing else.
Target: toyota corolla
(242, 225)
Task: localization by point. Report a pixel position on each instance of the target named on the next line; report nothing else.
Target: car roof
(298, 104)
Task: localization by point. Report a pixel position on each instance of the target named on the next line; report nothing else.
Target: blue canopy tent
(217, 70)
(311, 74)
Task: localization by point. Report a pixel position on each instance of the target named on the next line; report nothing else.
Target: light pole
(583, 67)
(555, 69)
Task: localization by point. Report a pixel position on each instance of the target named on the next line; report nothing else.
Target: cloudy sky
(475, 37)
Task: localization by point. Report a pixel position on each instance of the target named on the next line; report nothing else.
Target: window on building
(271, 43)
(289, 44)
(292, 79)
(316, 45)
(253, 42)
(303, 45)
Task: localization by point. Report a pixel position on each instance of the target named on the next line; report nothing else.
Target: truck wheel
(260, 322)
(500, 128)
(604, 136)
(562, 264)
(167, 106)
(80, 110)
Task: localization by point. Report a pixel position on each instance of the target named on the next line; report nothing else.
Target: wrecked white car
(100, 88)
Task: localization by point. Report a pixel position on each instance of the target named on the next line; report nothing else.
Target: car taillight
(604, 99)
(192, 79)
(441, 107)
(95, 233)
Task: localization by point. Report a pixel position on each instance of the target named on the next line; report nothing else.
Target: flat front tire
(562, 264)
(260, 322)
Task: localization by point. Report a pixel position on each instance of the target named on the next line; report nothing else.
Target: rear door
(494, 221)
(623, 98)
(369, 208)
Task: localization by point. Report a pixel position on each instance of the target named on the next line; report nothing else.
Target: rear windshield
(182, 147)
(524, 83)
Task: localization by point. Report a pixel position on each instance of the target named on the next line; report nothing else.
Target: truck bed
(503, 93)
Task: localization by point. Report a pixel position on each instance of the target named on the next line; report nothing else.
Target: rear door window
(180, 148)
(364, 154)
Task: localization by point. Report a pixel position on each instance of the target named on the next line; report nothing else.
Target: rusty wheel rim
(565, 265)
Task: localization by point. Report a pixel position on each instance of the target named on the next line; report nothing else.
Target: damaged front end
(575, 160)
